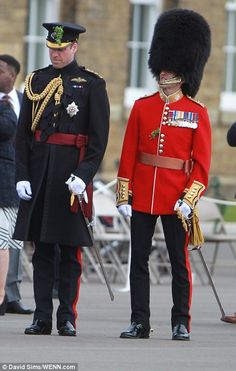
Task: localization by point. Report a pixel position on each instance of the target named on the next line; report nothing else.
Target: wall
(103, 48)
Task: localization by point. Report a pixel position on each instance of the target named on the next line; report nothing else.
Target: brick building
(116, 46)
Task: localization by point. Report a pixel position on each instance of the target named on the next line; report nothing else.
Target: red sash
(79, 141)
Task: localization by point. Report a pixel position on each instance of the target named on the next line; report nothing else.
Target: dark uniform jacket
(47, 217)
(8, 121)
(231, 135)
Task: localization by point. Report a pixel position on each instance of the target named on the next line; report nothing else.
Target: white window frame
(228, 96)
(36, 34)
(133, 92)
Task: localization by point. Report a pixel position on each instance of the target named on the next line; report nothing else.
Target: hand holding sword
(186, 214)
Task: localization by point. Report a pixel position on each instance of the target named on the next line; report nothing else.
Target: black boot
(180, 332)
(135, 331)
(3, 306)
(38, 327)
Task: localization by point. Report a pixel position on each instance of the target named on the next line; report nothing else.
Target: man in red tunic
(165, 163)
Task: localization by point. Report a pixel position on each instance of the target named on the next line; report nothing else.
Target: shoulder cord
(54, 86)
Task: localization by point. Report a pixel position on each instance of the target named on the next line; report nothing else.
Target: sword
(211, 283)
(198, 248)
(97, 253)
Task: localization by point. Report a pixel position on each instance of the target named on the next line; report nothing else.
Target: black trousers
(142, 230)
(68, 286)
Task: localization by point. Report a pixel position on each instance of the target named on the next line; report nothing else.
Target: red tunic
(182, 131)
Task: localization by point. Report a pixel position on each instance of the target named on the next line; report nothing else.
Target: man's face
(166, 75)
(64, 56)
(7, 77)
(169, 80)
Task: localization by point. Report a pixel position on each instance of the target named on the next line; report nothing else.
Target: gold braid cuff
(122, 193)
(53, 87)
(193, 194)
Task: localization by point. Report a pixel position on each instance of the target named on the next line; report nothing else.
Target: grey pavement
(98, 346)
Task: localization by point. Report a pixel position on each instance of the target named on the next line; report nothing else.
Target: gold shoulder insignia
(196, 101)
(95, 73)
(147, 96)
(78, 79)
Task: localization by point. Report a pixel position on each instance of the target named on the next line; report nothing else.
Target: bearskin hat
(181, 44)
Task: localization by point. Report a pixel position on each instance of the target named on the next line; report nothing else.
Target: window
(40, 11)
(228, 96)
(143, 17)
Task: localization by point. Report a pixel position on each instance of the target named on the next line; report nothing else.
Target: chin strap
(167, 82)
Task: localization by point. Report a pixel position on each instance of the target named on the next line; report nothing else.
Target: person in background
(9, 70)
(164, 165)
(231, 139)
(61, 140)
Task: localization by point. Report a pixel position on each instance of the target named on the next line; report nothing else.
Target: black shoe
(17, 308)
(180, 333)
(135, 331)
(3, 306)
(66, 329)
(38, 327)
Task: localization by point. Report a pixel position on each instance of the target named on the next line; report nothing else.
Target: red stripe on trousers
(188, 266)
(79, 259)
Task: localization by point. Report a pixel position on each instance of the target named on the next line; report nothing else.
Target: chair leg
(93, 263)
(232, 249)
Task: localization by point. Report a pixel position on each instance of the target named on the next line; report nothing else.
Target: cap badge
(72, 109)
(154, 133)
(57, 35)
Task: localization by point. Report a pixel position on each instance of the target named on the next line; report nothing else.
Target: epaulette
(91, 72)
(196, 101)
(42, 69)
(147, 96)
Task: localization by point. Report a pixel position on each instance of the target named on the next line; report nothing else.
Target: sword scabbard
(98, 256)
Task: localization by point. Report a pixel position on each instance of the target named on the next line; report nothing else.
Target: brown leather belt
(166, 162)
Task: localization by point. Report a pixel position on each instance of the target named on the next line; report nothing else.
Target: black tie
(7, 99)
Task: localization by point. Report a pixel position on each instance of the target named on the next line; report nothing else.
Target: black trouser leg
(43, 279)
(56, 269)
(69, 284)
(142, 229)
(177, 245)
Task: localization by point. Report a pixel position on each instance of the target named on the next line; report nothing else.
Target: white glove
(76, 185)
(125, 210)
(184, 208)
(23, 188)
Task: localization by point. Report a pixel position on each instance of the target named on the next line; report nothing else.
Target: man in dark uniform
(165, 163)
(61, 139)
(231, 139)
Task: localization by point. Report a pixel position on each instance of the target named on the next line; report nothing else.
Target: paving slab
(98, 346)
